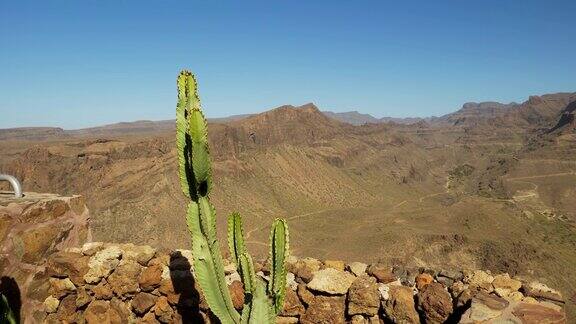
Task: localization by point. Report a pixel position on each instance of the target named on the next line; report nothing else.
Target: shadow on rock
(189, 301)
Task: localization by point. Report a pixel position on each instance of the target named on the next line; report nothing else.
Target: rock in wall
(31, 229)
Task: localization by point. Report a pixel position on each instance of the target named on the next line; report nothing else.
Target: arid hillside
(490, 186)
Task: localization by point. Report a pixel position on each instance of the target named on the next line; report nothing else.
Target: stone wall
(111, 283)
(31, 229)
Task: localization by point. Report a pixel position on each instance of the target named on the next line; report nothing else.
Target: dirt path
(542, 176)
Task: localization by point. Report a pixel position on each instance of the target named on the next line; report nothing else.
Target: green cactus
(6, 314)
(263, 301)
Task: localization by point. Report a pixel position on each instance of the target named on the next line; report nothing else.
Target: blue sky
(74, 63)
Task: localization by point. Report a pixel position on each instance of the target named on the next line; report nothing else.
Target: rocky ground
(124, 283)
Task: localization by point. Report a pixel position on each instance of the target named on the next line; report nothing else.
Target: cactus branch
(262, 302)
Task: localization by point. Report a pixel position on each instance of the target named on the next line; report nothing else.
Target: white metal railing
(14, 183)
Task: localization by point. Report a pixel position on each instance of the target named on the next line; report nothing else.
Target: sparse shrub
(263, 301)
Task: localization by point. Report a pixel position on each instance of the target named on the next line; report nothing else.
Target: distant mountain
(352, 117)
(537, 111)
(357, 118)
(472, 112)
(125, 128)
(31, 133)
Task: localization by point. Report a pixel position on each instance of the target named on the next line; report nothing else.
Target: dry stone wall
(112, 283)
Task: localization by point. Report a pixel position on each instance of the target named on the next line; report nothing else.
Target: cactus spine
(263, 301)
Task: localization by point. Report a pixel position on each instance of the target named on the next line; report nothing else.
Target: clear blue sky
(76, 63)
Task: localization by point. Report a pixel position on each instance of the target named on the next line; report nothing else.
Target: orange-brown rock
(102, 290)
(435, 303)
(163, 311)
(536, 314)
(305, 295)
(423, 279)
(150, 277)
(68, 264)
(363, 297)
(292, 305)
(236, 289)
(325, 310)
(124, 280)
(382, 273)
(142, 302)
(100, 312)
(399, 307)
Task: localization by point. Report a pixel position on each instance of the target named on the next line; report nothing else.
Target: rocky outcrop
(33, 228)
(124, 283)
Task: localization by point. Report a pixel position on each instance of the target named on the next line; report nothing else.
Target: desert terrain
(490, 186)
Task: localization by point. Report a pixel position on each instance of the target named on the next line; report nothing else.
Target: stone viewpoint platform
(31, 229)
(58, 278)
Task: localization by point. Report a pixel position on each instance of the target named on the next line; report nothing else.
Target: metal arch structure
(14, 183)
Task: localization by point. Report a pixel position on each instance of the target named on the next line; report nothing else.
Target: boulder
(357, 268)
(454, 275)
(325, 310)
(61, 287)
(102, 290)
(537, 313)
(142, 302)
(163, 311)
(124, 280)
(457, 288)
(51, 304)
(504, 285)
(331, 281)
(399, 308)
(102, 264)
(91, 248)
(82, 297)
(305, 268)
(149, 318)
(150, 277)
(39, 242)
(484, 307)
(305, 295)
(480, 280)
(541, 291)
(292, 305)
(384, 291)
(334, 264)
(100, 312)
(236, 289)
(123, 309)
(139, 253)
(382, 273)
(363, 297)
(435, 303)
(67, 309)
(423, 279)
(68, 265)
